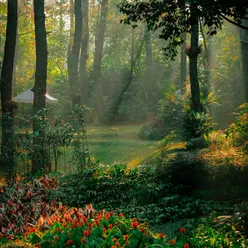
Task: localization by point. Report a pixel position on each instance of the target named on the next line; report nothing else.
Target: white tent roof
(28, 97)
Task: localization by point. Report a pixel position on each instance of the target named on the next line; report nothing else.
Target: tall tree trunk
(84, 51)
(72, 23)
(73, 57)
(6, 87)
(61, 22)
(193, 57)
(148, 48)
(99, 41)
(207, 62)
(114, 108)
(148, 80)
(183, 65)
(244, 56)
(40, 84)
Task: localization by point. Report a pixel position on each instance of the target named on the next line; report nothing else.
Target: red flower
(86, 234)
(69, 242)
(114, 240)
(121, 215)
(142, 230)
(135, 224)
(83, 240)
(182, 230)
(11, 236)
(186, 246)
(117, 244)
(104, 229)
(110, 226)
(11, 203)
(114, 246)
(97, 222)
(125, 237)
(172, 241)
(56, 237)
(161, 235)
(90, 226)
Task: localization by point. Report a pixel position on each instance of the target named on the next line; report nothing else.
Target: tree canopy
(174, 17)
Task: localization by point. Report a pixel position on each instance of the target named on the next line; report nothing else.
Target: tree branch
(234, 23)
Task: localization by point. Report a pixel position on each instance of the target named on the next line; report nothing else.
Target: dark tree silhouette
(6, 87)
(40, 83)
(73, 56)
(96, 74)
(84, 52)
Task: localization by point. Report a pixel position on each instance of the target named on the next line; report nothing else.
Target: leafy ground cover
(193, 198)
(30, 218)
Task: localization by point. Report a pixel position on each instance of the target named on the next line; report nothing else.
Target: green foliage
(171, 208)
(173, 108)
(23, 203)
(196, 124)
(108, 185)
(169, 118)
(163, 144)
(238, 131)
(218, 231)
(172, 19)
(80, 149)
(102, 229)
(58, 136)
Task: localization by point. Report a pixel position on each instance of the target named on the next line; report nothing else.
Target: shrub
(218, 231)
(169, 118)
(111, 186)
(88, 228)
(238, 131)
(22, 204)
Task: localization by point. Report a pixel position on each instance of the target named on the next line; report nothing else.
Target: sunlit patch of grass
(91, 130)
(179, 145)
(116, 149)
(133, 163)
(115, 128)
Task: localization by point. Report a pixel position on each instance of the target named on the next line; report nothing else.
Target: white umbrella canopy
(28, 97)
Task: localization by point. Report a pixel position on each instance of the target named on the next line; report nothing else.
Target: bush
(238, 131)
(112, 185)
(169, 118)
(22, 204)
(193, 170)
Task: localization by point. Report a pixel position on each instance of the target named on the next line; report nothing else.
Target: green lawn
(118, 144)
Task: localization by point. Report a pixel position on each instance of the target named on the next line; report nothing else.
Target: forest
(124, 123)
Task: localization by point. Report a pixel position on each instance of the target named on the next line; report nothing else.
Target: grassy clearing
(119, 144)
